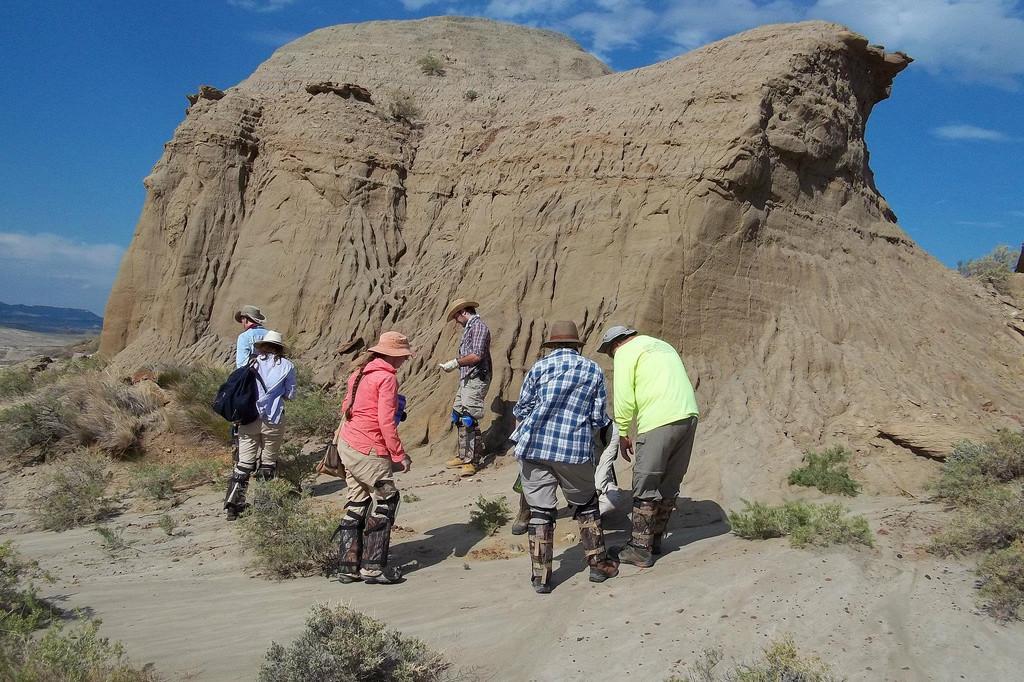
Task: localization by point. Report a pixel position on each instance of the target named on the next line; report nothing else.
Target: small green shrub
(403, 106)
(113, 540)
(431, 65)
(780, 662)
(170, 376)
(21, 608)
(199, 472)
(804, 523)
(470, 95)
(76, 655)
(995, 267)
(314, 414)
(286, 535)
(984, 482)
(167, 524)
(1002, 582)
(490, 515)
(409, 498)
(73, 493)
(154, 481)
(196, 391)
(342, 644)
(297, 467)
(827, 471)
(15, 381)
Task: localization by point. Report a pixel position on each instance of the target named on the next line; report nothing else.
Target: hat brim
(257, 320)
(552, 342)
(606, 346)
(460, 307)
(392, 352)
(268, 343)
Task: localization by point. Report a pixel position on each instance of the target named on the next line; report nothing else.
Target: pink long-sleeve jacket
(372, 428)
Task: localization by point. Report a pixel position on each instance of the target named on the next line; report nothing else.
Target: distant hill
(44, 318)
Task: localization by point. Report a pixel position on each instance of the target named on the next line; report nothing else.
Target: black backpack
(236, 397)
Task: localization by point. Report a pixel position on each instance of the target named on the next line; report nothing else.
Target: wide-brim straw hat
(393, 344)
(252, 312)
(614, 333)
(458, 305)
(563, 331)
(271, 338)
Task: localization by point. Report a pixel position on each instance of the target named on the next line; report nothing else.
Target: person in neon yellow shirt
(650, 386)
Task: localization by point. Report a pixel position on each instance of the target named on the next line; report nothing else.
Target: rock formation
(721, 200)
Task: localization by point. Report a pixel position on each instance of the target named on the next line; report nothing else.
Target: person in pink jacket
(371, 451)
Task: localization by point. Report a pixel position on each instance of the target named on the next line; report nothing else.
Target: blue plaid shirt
(562, 401)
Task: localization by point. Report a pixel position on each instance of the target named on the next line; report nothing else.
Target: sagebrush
(780, 661)
(490, 515)
(342, 644)
(804, 524)
(73, 493)
(431, 65)
(994, 267)
(827, 471)
(59, 654)
(286, 536)
(404, 106)
(984, 483)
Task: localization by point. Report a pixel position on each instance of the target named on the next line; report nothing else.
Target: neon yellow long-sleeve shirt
(651, 385)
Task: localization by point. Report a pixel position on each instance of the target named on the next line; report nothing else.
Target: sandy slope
(17, 344)
(190, 605)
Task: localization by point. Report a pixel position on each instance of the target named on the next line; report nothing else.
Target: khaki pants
(367, 476)
(662, 458)
(470, 397)
(259, 441)
(541, 479)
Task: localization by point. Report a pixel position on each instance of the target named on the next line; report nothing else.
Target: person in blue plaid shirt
(561, 404)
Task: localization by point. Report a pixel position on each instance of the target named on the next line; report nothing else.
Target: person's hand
(449, 366)
(403, 466)
(625, 448)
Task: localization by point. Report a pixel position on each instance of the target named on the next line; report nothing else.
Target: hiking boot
(632, 555)
(468, 469)
(540, 587)
(387, 576)
(454, 463)
(602, 570)
(232, 514)
(522, 522)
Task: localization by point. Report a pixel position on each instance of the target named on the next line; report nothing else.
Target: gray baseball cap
(613, 334)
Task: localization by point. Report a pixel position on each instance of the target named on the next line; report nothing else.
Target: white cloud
(970, 40)
(1017, 214)
(963, 131)
(993, 224)
(272, 38)
(261, 6)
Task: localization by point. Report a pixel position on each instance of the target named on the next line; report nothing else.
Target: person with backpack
(260, 439)
(371, 452)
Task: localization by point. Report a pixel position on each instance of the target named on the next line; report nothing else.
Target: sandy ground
(191, 605)
(17, 345)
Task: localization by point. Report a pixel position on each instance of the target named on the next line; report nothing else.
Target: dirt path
(190, 604)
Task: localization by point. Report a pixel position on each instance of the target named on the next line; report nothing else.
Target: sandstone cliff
(722, 200)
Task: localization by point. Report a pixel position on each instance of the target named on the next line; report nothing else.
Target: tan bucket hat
(458, 305)
(252, 312)
(272, 337)
(393, 344)
(563, 331)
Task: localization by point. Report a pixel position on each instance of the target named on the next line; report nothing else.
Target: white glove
(449, 366)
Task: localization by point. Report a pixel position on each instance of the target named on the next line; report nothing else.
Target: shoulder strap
(254, 366)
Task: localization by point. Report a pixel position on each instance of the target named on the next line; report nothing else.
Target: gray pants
(662, 458)
(542, 479)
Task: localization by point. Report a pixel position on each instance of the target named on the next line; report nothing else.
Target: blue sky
(93, 91)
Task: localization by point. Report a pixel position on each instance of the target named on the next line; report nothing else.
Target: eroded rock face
(721, 200)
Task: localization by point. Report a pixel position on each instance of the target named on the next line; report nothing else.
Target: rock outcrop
(722, 200)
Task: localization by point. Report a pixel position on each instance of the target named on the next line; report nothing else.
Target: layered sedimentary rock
(721, 200)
